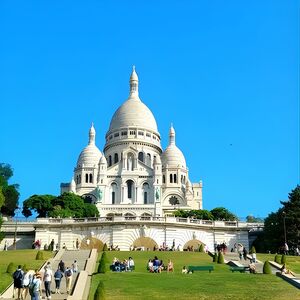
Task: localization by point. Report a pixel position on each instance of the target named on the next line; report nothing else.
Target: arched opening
(91, 243)
(109, 161)
(129, 216)
(164, 179)
(130, 185)
(192, 245)
(141, 156)
(144, 243)
(113, 192)
(175, 178)
(79, 178)
(146, 193)
(116, 159)
(86, 178)
(91, 178)
(148, 159)
(171, 178)
(146, 216)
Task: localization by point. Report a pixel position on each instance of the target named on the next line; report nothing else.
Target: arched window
(164, 179)
(175, 178)
(171, 178)
(79, 178)
(86, 178)
(181, 178)
(109, 161)
(141, 156)
(148, 159)
(116, 158)
(113, 193)
(129, 189)
(146, 192)
(91, 178)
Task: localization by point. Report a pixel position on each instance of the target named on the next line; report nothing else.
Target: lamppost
(16, 225)
(284, 228)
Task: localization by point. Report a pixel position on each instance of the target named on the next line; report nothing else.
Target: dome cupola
(90, 155)
(172, 156)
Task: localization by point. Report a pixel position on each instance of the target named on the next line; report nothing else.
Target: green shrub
(201, 248)
(283, 259)
(267, 268)
(252, 250)
(105, 247)
(10, 268)
(24, 267)
(102, 264)
(104, 257)
(100, 292)
(220, 258)
(39, 255)
(277, 258)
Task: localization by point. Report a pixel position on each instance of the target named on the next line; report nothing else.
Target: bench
(200, 268)
(239, 269)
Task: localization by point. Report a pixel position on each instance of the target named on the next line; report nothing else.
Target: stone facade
(134, 176)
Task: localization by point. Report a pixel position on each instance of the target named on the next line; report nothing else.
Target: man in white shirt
(47, 282)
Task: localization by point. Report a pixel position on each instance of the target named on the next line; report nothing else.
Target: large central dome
(133, 112)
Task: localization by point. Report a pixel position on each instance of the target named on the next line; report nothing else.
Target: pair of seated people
(155, 265)
(120, 266)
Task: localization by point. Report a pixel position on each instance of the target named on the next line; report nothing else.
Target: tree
(289, 213)
(252, 219)
(42, 204)
(100, 292)
(223, 214)
(9, 191)
(267, 268)
(90, 210)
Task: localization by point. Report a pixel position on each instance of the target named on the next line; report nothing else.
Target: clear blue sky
(224, 72)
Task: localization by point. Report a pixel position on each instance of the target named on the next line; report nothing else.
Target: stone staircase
(68, 257)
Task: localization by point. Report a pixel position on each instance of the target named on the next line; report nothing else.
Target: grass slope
(220, 284)
(18, 257)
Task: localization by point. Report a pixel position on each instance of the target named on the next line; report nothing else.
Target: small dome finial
(92, 134)
(134, 83)
(172, 135)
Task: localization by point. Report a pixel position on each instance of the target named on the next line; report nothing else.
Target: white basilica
(134, 176)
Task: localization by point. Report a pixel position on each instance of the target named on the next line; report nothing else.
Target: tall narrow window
(145, 198)
(86, 178)
(141, 156)
(148, 159)
(175, 178)
(171, 178)
(129, 189)
(79, 178)
(116, 158)
(91, 178)
(113, 197)
(109, 161)
(164, 179)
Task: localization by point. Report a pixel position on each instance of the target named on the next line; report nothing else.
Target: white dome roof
(133, 112)
(89, 156)
(173, 156)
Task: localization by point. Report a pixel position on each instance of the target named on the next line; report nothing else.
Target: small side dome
(103, 160)
(173, 156)
(89, 156)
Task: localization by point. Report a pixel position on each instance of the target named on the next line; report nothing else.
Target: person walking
(75, 266)
(35, 286)
(68, 275)
(27, 278)
(58, 275)
(61, 266)
(18, 281)
(47, 282)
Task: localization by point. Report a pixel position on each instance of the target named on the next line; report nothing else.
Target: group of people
(29, 282)
(122, 265)
(156, 265)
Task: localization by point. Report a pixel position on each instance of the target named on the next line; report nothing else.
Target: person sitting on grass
(156, 265)
(150, 266)
(252, 268)
(170, 267)
(184, 270)
(285, 270)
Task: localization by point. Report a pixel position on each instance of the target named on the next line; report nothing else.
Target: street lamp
(15, 234)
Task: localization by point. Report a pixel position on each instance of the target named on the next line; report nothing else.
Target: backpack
(32, 286)
(18, 276)
(68, 273)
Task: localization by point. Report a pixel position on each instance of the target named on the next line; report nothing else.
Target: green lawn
(220, 284)
(18, 257)
(293, 262)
